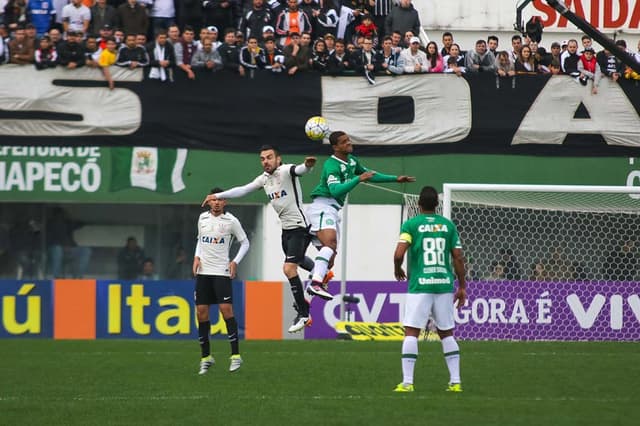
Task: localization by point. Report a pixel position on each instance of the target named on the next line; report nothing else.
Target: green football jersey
(431, 238)
(336, 171)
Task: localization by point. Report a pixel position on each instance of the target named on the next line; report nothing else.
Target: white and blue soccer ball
(317, 128)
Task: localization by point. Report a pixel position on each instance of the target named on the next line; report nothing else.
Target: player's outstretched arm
(310, 162)
(403, 179)
(235, 192)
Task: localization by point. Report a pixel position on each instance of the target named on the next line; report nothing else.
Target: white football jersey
(215, 235)
(285, 195)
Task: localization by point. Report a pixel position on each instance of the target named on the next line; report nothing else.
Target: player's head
(340, 142)
(269, 158)
(217, 206)
(428, 200)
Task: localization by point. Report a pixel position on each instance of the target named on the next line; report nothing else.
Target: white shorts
(324, 213)
(420, 306)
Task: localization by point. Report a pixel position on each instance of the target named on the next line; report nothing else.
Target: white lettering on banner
(544, 309)
(103, 112)
(442, 109)
(634, 303)
(550, 118)
(491, 311)
(368, 314)
(588, 317)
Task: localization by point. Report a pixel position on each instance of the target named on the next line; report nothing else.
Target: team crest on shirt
(343, 168)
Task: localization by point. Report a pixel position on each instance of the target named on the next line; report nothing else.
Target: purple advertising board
(504, 310)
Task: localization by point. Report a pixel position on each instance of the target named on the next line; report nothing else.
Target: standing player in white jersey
(214, 271)
(282, 185)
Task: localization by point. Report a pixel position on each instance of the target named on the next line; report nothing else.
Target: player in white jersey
(216, 231)
(282, 185)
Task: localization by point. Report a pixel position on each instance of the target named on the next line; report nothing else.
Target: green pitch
(46, 382)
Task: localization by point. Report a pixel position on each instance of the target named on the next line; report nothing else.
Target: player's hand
(210, 197)
(196, 265)
(366, 176)
(460, 298)
(403, 179)
(233, 268)
(400, 274)
(309, 162)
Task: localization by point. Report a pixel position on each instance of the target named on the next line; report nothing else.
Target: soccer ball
(316, 128)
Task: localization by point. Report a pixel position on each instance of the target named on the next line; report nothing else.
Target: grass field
(47, 382)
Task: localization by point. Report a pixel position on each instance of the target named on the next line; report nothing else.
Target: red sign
(602, 14)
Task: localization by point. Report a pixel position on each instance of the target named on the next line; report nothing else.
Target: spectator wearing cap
(327, 20)
(480, 59)
(30, 35)
(274, 57)
(162, 58)
(71, 53)
(163, 15)
(569, 59)
(131, 55)
(403, 18)
(45, 55)
(291, 21)
(268, 31)
(185, 50)
(206, 59)
(587, 65)
(213, 35)
(563, 46)
(132, 18)
(105, 32)
(230, 53)
(255, 20)
(76, 17)
(220, 13)
(42, 15)
(413, 59)
(103, 15)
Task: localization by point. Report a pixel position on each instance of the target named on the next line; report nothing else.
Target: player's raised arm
(235, 192)
(305, 167)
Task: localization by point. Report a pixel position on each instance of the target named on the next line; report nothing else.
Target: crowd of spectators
(365, 37)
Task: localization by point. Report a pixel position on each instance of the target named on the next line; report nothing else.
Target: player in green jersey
(341, 173)
(432, 240)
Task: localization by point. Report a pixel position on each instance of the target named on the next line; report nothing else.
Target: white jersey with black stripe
(285, 195)
(215, 235)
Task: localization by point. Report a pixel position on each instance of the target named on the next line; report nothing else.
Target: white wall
(372, 233)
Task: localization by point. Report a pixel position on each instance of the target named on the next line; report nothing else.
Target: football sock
(452, 357)
(409, 356)
(322, 263)
(307, 264)
(203, 338)
(298, 296)
(232, 333)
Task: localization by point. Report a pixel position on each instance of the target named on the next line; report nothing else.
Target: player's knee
(290, 269)
(226, 309)
(445, 333)
(203, 313)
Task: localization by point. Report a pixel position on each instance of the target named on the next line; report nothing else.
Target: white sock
(322, 263)
(452, 357)
(409, 356)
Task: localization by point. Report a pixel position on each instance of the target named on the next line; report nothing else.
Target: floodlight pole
(585, 26)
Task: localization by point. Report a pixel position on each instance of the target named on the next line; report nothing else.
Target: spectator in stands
(608, 66)
(403, 17)
(148, 270)
(320, 56)
(504, 66)
(4, 47)
(413, 59)
(61, 246)
(105, 32)
(587, 66)
(163, 15)
(330, 42)
(526, 63)
(297, 54)
(496, 271)
(42, 15)
(132, 18)
(204, 34)
(406, 41)
(91, 51)
(291, 21)
(516, 45)
(268, 31)
(367, 29)
(622, 263)
(213, 36)
(447, 42)
(366, 62)
(240, 41)
(480, 60)
(189, 13)
(569, 59)
(274, 57)
(455, 52)
(25, 242)
(252, 56)
(206, 59)
(340, 60)
(174, 35)
(452, 67)
(555, 51)
(71, 54)
(107, 58)
(379, 12)
(328, 19)
(131, 55)
(46, 55)
(388, 59)
(558, 265)
(586, 42)
(56, 38)
(538, 272)
(253, 22)
(130, 260)
(181, 267)
(554, 68)
(230, 53)
(162, 58)
(30, 35)
(492, 44)
(21, 52)
(102, 14)
(141, 40)
(435, 59)
(220, 13)
(184, 51)
(76, 17)
(118, 36)
(512, 269)
(16, 14)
